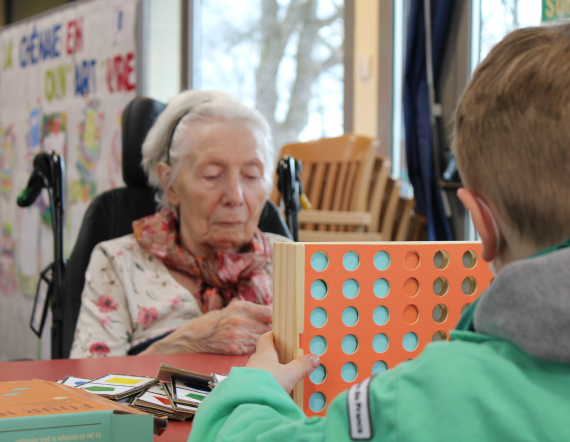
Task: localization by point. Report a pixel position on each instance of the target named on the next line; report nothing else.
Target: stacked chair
(353, 196)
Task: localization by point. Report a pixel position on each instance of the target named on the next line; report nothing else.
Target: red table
(134, 365)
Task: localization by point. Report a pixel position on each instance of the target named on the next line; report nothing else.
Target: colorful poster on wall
(33, 139)
(65, 78)
(115, 157)
(7, 159)
(8, 277)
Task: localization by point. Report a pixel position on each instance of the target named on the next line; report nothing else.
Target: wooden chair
(417, 230)
(403, 218)
(349, 186)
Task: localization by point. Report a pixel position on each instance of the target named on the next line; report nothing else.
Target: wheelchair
(110, 215)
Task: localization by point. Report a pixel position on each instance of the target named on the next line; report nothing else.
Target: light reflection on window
(499, 17)
(294, 75)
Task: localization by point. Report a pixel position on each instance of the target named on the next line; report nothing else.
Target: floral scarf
(223, 276)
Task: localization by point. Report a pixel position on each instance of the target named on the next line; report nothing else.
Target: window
(283, 57)
(493, 19)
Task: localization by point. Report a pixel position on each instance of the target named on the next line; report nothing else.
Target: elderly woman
(195, 276)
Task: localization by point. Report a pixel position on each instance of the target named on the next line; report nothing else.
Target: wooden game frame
(411, 303)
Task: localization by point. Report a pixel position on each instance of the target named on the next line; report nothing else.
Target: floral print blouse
(130, 297)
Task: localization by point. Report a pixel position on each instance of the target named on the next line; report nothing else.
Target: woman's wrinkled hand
(232, 330)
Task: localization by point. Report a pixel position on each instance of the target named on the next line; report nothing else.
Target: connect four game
(366, 307)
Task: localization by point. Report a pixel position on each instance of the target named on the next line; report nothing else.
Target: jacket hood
(528, 303)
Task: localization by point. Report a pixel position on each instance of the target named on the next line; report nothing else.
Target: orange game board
(366, 307)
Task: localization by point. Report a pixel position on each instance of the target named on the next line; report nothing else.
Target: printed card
(128, 400)
(181, 409)
(72, 381)
(155, 395)
(118, 386)
(166, 372)
(219, 378)
(106, 390)
(189, 392)
(126, 380)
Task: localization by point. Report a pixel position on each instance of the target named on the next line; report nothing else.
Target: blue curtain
(419, 140)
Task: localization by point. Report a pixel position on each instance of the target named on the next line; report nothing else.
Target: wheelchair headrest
(138, 117)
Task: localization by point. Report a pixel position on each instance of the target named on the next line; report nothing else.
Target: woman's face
(220, 189)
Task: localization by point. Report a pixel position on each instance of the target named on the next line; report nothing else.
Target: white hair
(191, 108)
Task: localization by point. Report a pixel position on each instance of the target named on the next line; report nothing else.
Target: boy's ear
(164, 170)
(482, 222)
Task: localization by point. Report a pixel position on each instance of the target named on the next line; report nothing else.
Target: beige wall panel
(366, 42)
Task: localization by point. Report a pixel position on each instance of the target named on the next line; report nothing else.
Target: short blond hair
(512, 132)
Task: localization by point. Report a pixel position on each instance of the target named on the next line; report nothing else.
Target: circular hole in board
(379, 367)
(318, 375)
(349, 344)
(351, 261)
(465, 307)
(411, 287)
(350, 316)
(349, 371)
(469, 285)
(350, 288)
(317, 402)
(412, 260)
(319, 261)
(381, 315)
(441, 259)
(319, 317)
(440, 313)
(469, 259)
(410, 314)
(410, 341)
(319, 289)
(440, 336)
(440, 286)
(380, 343)
(381, 288)
(381, 260)
(318, 345)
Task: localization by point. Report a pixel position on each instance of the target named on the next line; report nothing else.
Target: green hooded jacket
(504, 376)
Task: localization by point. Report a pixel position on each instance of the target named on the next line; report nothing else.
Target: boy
(505, 374)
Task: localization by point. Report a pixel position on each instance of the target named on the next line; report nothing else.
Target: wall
(374, 96)
(2, 12)
(68, 97)
(22, 9)
(366, 47)
(373, 100)
(162, 71)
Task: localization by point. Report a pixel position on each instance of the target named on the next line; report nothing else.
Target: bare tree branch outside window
(284, 57)
(499, 17)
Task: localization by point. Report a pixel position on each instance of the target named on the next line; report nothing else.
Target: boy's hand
(287, 375)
